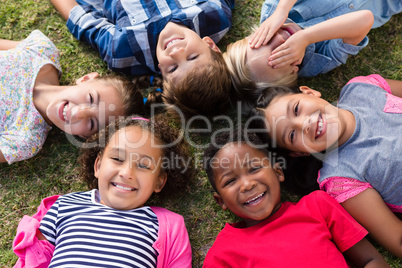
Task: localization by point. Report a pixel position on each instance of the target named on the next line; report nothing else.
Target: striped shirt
(125, 32)
(89, 234)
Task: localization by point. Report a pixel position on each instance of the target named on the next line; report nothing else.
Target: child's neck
(45, 88)
(348, 126)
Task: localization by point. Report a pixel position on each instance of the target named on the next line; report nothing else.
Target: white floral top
(22, 129)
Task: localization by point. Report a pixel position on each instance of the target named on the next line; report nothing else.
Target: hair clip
(151, 80)
(140, 118)
(159, 89)
(145, 100)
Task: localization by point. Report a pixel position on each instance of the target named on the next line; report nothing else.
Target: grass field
(53, 170)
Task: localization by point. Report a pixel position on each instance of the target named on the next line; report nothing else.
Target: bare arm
(396, 87)
(364, 254)
(271, 25)
(369, 209)
(64, 7)
(8, 44)
(2, 158)
(292, 51)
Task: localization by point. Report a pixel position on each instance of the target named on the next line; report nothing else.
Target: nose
(247, 184)
(82, 111)
(176, 53)
(303, 124)
(126, 171)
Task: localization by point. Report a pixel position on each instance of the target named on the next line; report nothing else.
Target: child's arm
(2, 158)
(364, 254)
(396, 87)
(64, 7)
(8, 44)
(271, 25)
(292, 51)
(369, 209)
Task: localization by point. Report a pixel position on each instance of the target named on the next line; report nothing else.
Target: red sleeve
(374, 79)
(345, 230)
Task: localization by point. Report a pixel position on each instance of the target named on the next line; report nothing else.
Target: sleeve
(48, 223)
(373, 79)
(338, 52)
(42, 46)
(90, 25)
(342, 188)
(31, 251)
(345, 230)
(180, 250)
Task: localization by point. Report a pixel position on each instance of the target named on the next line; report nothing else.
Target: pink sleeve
(173, 243)
(345, 230)
(374, 79)
(31, 251)
(342, 188)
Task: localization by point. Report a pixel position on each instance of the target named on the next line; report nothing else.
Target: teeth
(320, 124)
(65, 112)
(171, 42)
(254, 199)
(122, 187)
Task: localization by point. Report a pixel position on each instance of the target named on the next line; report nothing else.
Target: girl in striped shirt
(111, 225)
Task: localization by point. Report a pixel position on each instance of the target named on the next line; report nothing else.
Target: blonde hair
(205, 90)
(246, 88)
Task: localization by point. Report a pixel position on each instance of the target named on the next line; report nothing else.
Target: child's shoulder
(373, 79)
(166, 214)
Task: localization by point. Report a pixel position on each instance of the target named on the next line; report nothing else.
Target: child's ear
(309, 91)
(97, 165)
(211, 44)
(220, 201)
(299, 154)
(279, 172)
(87, 77)
(161, 182)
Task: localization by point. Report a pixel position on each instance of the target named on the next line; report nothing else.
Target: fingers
(259, 38)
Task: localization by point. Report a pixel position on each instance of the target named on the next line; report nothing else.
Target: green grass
(53, 171)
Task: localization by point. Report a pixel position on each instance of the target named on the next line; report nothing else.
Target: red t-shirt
(311, 233)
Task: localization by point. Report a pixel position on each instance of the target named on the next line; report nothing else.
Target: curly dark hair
(224, 138)
(178, 173)
(300, 172)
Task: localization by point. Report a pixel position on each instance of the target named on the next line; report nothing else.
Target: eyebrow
(98, 97)
(288, 112)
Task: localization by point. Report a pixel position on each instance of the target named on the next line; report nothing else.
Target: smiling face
(180, 49)
(85, 108)
(129, 170)
(246, 182)
(257, 59)
(306, 122)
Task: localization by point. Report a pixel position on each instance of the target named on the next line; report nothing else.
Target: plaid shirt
(125, 32)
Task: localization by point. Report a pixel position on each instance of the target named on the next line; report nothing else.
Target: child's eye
(292, 136)
(229, 181)
(92, 124)
(117, 159)
(254, 169)
(296, 110)
(91, 98)
(143, 166)
(193, 57)
(172, 69)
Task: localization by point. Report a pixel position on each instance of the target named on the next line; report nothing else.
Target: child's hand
(289, 53)
(267, 29)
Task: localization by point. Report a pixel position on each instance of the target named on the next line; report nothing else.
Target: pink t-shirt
(311, 233)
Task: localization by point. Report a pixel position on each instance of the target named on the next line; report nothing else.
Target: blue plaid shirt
(125, 32)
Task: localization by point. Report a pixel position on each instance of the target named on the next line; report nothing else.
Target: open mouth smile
(123, 187)
(255, 199)
(320, 126)
(170, 42)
